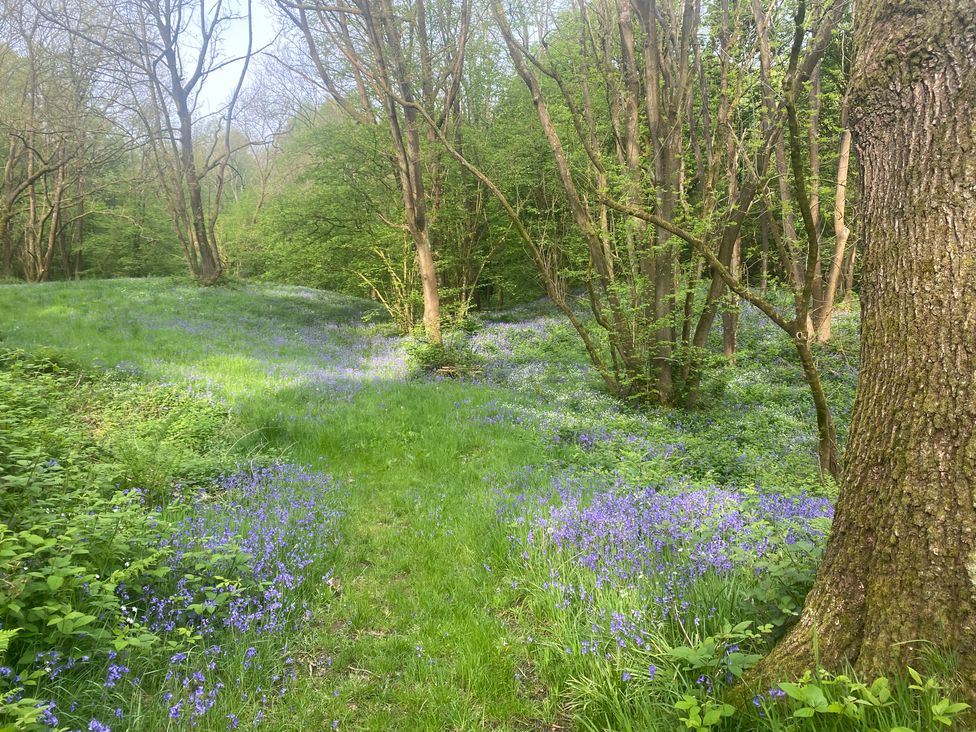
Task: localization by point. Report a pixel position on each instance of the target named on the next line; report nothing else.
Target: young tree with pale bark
(377, 60)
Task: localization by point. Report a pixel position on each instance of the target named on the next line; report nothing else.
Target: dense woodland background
(302, 187)
(673, 153)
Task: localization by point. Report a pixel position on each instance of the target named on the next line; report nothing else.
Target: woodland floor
(432, 618)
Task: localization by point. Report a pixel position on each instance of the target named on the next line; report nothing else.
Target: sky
(220, 85)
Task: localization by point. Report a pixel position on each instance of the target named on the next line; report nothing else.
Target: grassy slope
(413, 639)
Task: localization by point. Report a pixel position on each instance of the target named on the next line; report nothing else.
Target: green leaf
(64, 625)
(816, 699)
(5, 638)
(795, 691)
(84, 620)
(804, 712)
(54, 582)
(712, 716)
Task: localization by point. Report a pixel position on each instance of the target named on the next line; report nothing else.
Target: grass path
(416, 634)
(410, 632)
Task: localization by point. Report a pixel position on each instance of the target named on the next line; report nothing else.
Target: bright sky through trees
(221, 84)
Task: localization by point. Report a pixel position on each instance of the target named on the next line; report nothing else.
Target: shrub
(453, 357)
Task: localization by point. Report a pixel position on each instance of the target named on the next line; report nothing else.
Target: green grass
(414, 630)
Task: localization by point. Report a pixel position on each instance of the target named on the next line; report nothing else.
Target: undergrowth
(517, 547)
(147, 580)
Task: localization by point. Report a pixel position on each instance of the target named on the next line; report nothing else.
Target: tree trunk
(6, 247)
(819, 305)
(850, 264)
(206, 265)
(730, 316)
(406, 139)
(824, 317)
(428, 281)
(764, 252)
(827, 452)
(900, 565)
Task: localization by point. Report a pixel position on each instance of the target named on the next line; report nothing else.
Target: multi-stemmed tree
(377, 60)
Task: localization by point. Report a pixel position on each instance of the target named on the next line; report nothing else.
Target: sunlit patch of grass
(410, 634)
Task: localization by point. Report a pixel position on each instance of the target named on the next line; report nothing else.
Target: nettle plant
(66, 572)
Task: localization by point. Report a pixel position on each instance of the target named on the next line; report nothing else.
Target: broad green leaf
(794, 691)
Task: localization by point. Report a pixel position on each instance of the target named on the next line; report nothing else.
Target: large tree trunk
(900, 565)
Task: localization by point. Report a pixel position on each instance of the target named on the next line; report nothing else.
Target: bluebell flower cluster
(239, 560)
(653, 543)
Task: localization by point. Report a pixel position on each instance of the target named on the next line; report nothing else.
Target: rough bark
(900, 566)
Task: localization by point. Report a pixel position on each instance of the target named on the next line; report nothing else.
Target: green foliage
(718, 654)
(129, 233)
(68, 536)
(318, 226)
(429, 622)
(788, 575)
(67, 568)
(702, 715)
(79, 536)
(330, 215)
(136, 435)
(825, 701)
